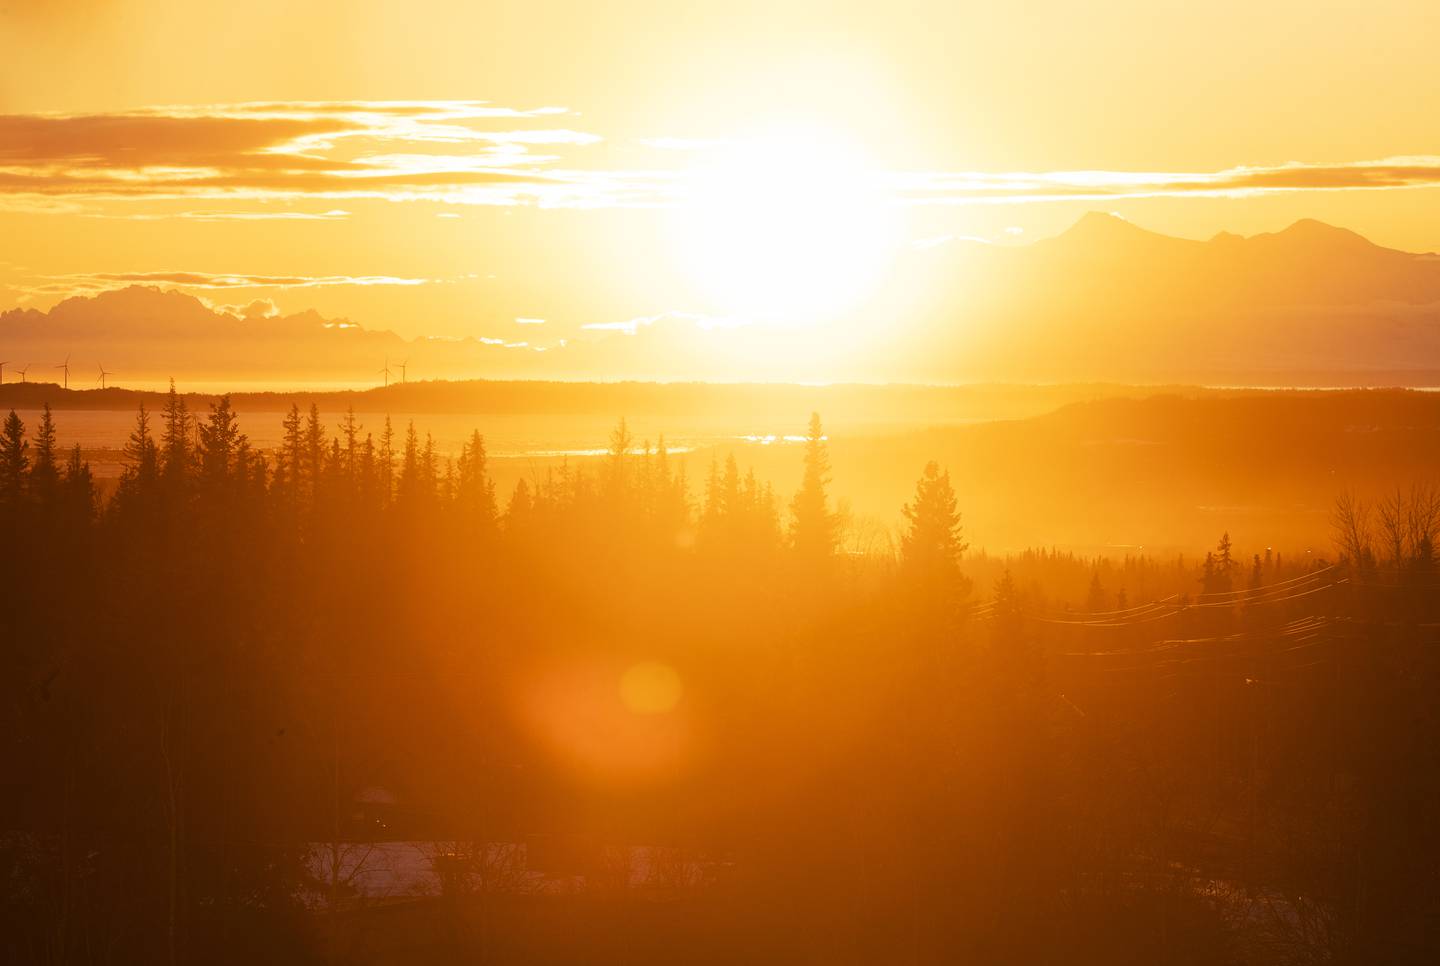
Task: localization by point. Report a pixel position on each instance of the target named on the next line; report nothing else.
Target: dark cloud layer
(471, 152)
(235, 152)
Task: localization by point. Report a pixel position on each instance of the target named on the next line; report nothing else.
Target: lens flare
(651, 688)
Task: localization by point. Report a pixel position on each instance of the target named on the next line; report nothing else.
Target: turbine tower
(66, 366)
(103, 374)
(402, 370)
(386, 372)
(2, 371)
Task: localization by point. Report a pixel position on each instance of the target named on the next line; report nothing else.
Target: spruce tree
(142, 459)
(45, 472)
(1209, 575)
(13, 461)
(175, 454)
(386, 475)
(712, 514)
(409, 486)
(931, 545)
(430, 469)
(78, 488)
(292, 458)
(1007, 625)
(618, 459)
(475, 492)
(813, 527)
(313, 450)
(1095, 599)
(220, 440)
(1224, 564)
(522, 504)
(350, 430)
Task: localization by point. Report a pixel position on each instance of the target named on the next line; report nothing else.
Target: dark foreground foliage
(245, 675)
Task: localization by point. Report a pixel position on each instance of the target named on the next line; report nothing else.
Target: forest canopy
(239, 680)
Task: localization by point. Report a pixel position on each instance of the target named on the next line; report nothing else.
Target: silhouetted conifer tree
(521, 506)
(220, 446)
(1007, 635)
(386, 464)
(1209, 575)
(430, 469)
(249, 475)
(814, 529)
(712, 513)
(45, 471)
(142, 459)
(13, 461)
(411, 484)
(289, 470)
(367, 480)
(350, 432)
(618, 462)
(313, 451)
(78, 488)
(670, 502)
(175, 453)
(1095, 598)
(474, 490)
(1225, 565)
(931, 545)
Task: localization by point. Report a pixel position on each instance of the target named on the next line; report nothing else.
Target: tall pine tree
(814, 529)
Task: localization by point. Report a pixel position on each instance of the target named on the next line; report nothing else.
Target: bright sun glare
(789, 228)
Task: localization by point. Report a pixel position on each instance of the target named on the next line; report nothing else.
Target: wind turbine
(103, 374)
(66, 366)
(23, 371)
(2, 370)
(386, 371)
(402, 369)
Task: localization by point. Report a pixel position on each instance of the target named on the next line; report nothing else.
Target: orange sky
(451, 168)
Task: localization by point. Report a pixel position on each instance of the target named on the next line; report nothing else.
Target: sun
(788, 228)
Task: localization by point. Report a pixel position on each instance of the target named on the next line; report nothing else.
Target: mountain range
(1105, 300)
(1310, 305)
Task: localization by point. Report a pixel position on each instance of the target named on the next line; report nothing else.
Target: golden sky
(454, 168)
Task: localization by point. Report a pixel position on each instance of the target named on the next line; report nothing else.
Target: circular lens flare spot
(650, 688)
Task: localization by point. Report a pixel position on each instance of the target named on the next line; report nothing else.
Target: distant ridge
(1312, 304)
(1105, 300)
(1107, 228)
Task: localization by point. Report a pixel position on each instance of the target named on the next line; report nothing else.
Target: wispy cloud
(234, 157)
(255, 309)
(208, 280)
(697, 319)
(333, 215)
(93, 282)
(981, 187)
(219, 215)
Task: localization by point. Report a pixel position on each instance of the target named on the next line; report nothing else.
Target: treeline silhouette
(230, 686)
